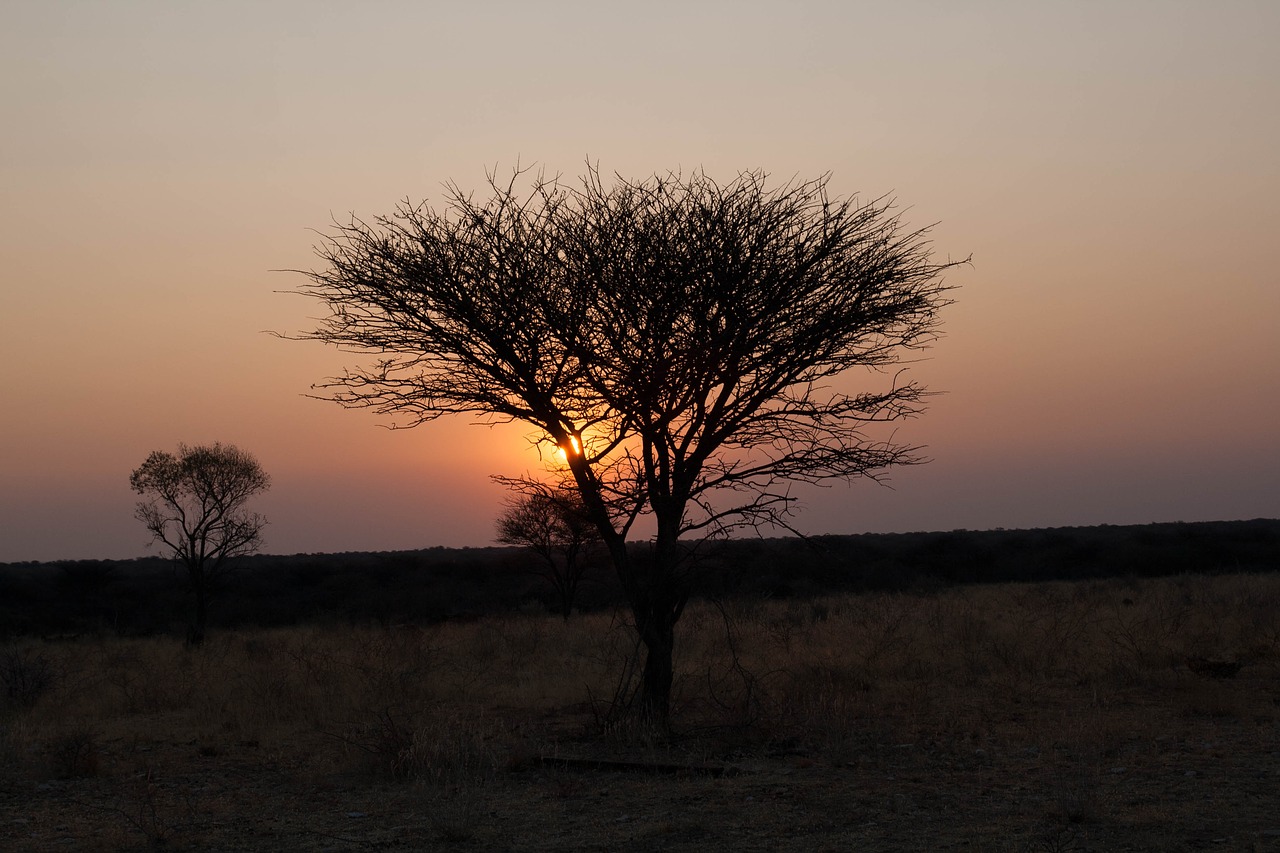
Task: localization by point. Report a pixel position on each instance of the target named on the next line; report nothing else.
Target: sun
(562, 454)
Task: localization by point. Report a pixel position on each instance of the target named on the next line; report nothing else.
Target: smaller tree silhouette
(555, 526)
(194, 506)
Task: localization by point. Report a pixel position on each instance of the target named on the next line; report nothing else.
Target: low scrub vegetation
(1056, 715)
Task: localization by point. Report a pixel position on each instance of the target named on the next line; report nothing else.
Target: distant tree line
(152, 596)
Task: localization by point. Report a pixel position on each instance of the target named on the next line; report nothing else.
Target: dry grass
(1014, 717)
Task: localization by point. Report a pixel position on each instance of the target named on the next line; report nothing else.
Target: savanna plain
(1113, 714)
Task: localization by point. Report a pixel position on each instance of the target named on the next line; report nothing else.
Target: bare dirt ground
(995, 752)
(1178, 785)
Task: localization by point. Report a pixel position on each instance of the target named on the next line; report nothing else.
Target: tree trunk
(566, 604)
(195, 637)
(653, 593)
(660, 605)
(655, 683)
(656, 602)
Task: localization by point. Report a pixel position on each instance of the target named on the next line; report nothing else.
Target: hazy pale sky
(1113, 355)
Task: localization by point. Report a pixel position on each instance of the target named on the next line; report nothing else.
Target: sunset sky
(1113, 354)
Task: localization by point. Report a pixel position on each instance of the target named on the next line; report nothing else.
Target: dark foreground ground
(1129, 777)
(1017, 717)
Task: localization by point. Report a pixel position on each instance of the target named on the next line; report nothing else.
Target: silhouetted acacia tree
(554, 525)
(686, 343)
(195, 507)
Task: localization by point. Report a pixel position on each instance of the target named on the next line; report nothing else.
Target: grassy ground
(1050, 716)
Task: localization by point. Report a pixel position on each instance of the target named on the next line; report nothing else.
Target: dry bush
(150, 809)
(11, 740)
(26, 675)
(74, 753)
